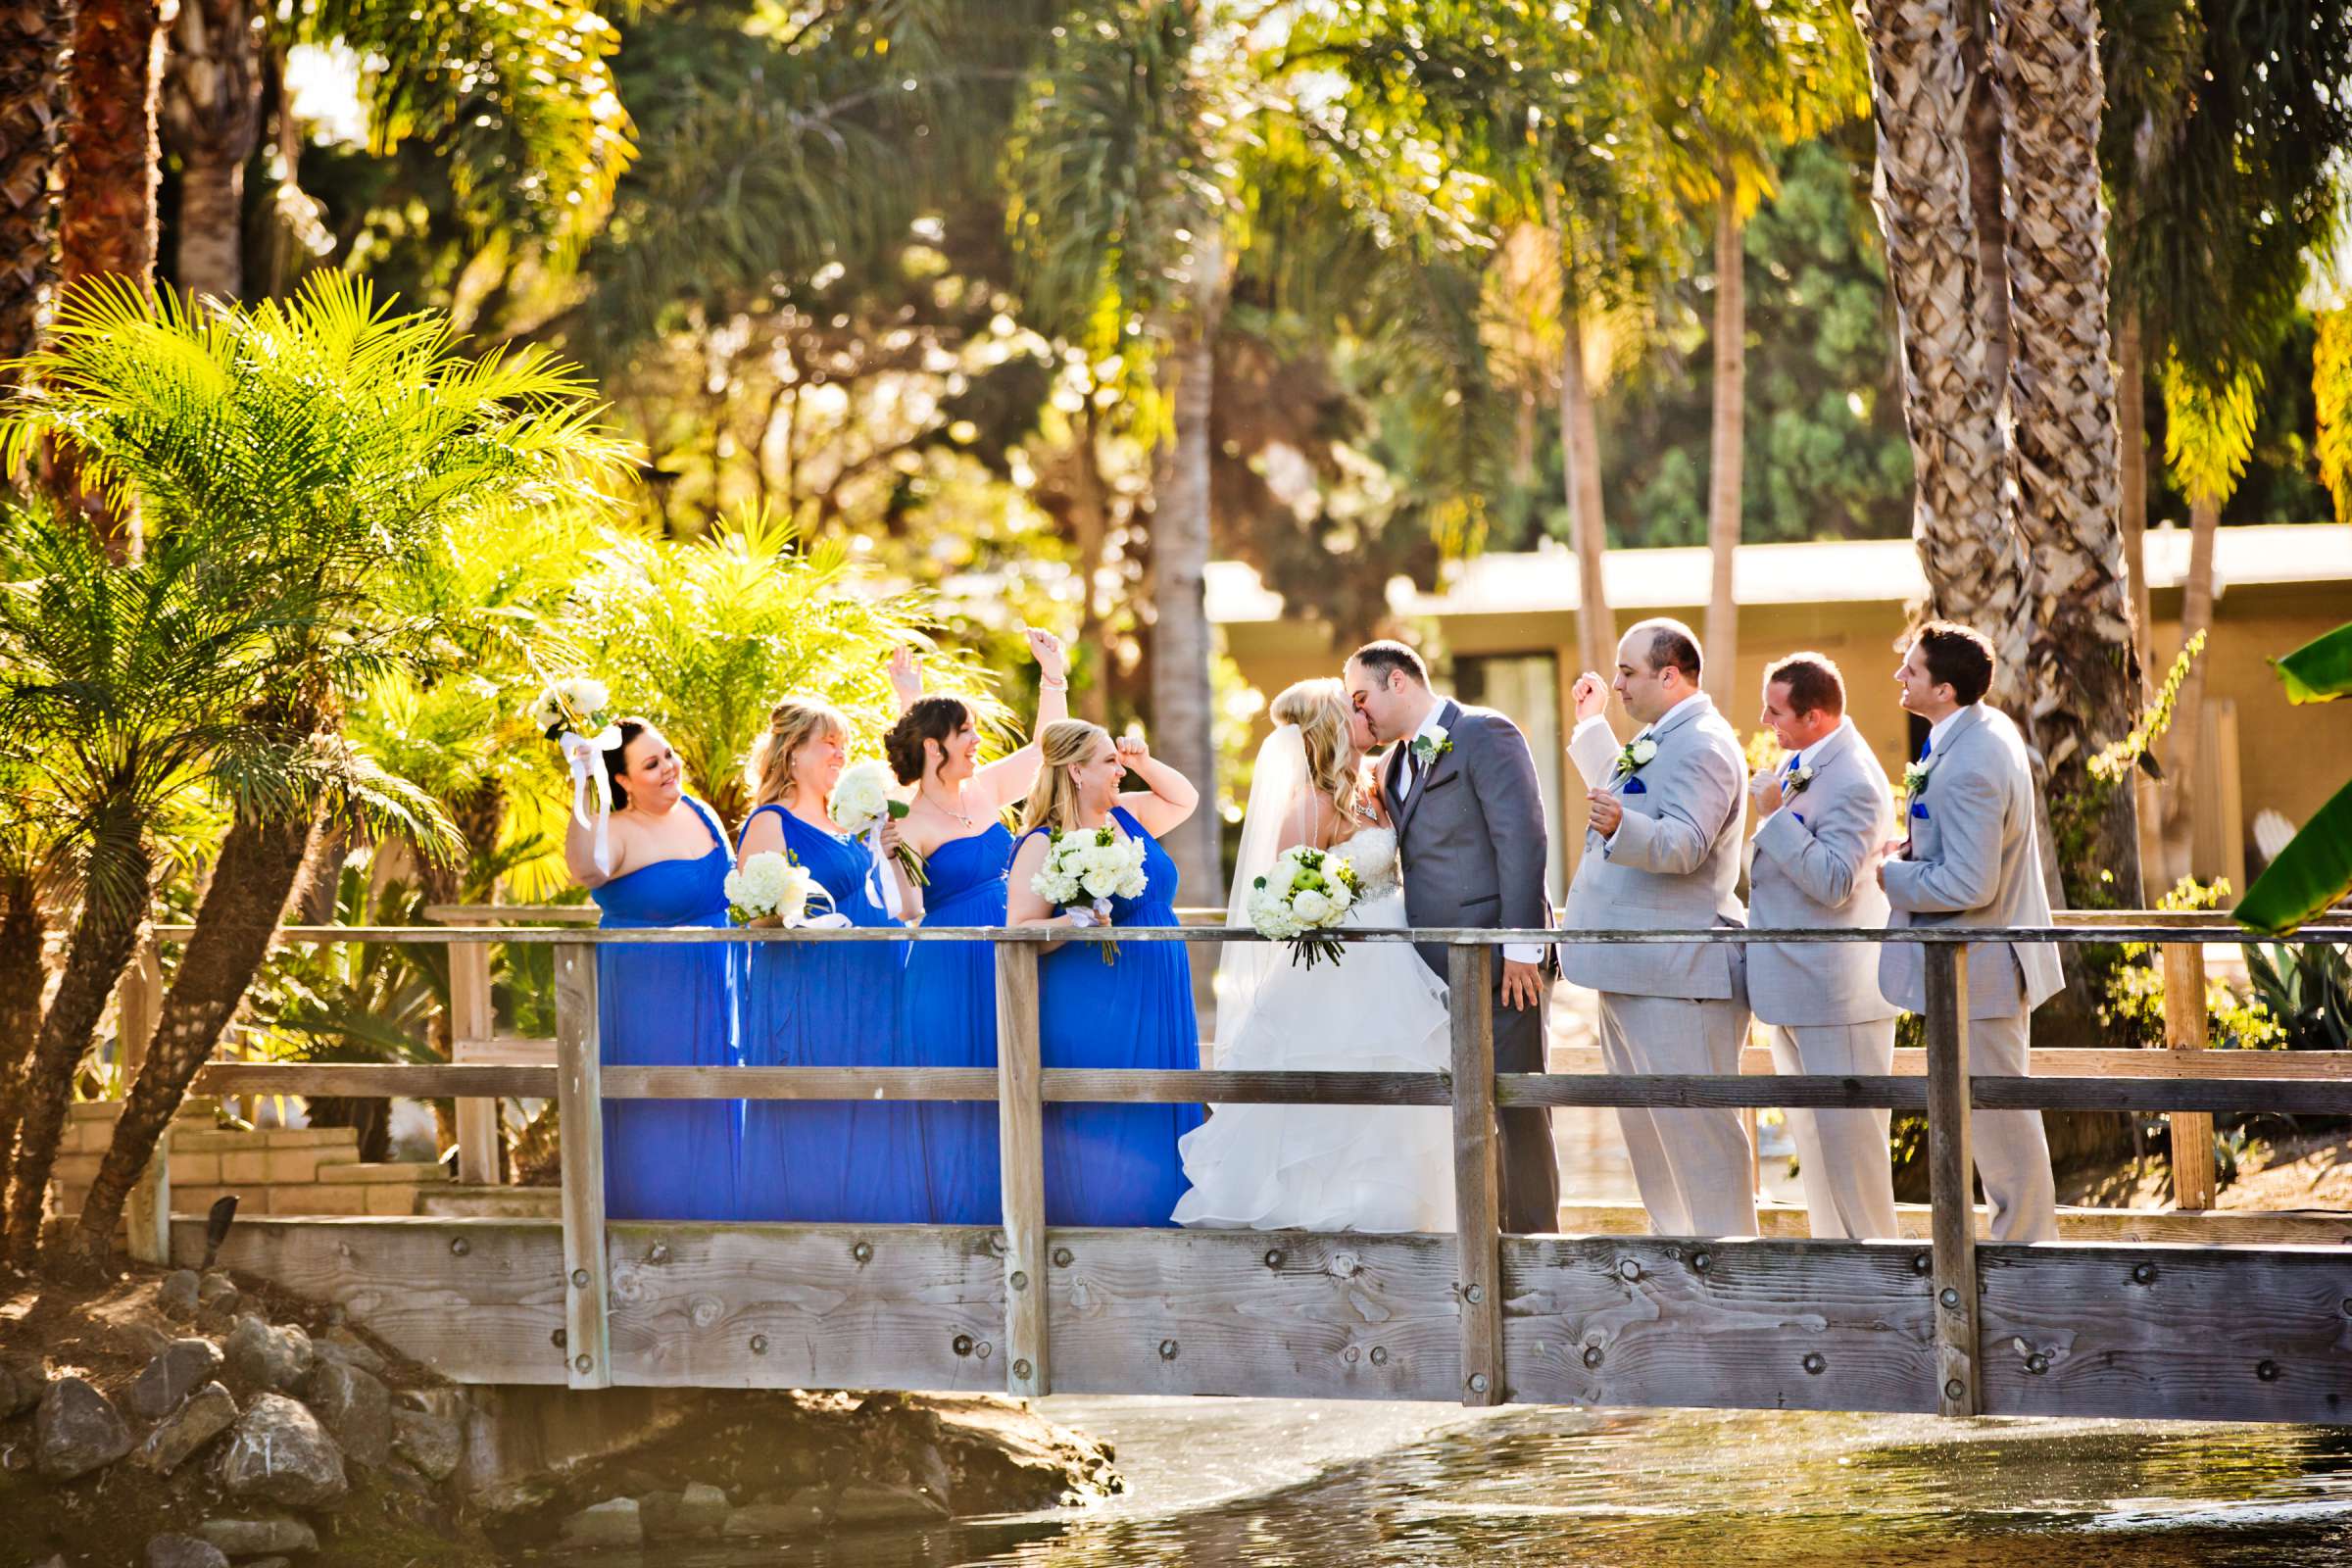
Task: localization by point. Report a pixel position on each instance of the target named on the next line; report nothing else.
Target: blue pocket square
(1634, 786)
(1919, 808)
(1800, 817)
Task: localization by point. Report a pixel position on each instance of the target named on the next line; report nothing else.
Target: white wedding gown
(1379, 1008)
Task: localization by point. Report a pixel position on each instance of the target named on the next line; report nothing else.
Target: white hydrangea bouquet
(771, 888)
(1086, 870)
(860, 801)
(1300, 899)
(573, 712)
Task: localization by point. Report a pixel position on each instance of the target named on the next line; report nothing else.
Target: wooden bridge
(2186, 1328)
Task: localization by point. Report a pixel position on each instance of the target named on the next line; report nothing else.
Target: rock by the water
(177, 1296)
(614, 1522)
(145, 1338)
(184, 1552)
(660, 1512)
(434, 1445)
(249, 1538)
(216, 1286)
(207, 1413)
(345, 1345)
(184, 1366)
(701, 1512)
(77, 1429)
(868, 1503)
(280, 1452)
(272, 1358)
(22, 1379)
(805, 1512)
(355, 1407)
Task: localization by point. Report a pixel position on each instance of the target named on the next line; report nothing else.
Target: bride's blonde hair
(1319, 707)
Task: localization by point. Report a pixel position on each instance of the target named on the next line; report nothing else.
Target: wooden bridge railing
(1960, 1327)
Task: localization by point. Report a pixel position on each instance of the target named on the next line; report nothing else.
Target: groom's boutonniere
(1915, 777)
(1798, 778)
(1636, 757)
(1431, 745)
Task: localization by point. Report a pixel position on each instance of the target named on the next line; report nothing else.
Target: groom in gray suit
(1461, 790)
(1663, 852)
(1826, 815)
(1971, 859)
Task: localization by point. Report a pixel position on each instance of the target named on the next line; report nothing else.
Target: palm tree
(32, 105)
(1976, 565)
(338, 444)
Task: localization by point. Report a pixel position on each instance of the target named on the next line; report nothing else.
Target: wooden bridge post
(1021, 1149)
(1475, 1183)
(580, 1120)
(470, 1018)
(1950, 1171)
(2186, 1026)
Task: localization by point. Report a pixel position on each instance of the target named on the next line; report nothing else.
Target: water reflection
(1755, 1490)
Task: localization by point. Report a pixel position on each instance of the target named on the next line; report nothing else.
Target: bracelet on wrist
(1062, 685)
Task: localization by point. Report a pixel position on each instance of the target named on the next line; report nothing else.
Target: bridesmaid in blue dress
(1111, 1165)
(662, 1005)
(825, 1004)
(952, 986)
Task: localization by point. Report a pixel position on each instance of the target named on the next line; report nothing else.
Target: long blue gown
(670, 1007)
(952, 1022)
(830, 1005)
(1117, 1164)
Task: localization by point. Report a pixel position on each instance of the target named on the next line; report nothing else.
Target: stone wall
(273, 1170)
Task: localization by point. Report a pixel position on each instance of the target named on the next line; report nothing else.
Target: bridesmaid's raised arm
(1007, 779)
(579, 852)
(1170, 797)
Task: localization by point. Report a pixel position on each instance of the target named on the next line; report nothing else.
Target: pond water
(1284, 1483)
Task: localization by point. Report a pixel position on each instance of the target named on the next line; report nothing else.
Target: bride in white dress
(1379, 1008)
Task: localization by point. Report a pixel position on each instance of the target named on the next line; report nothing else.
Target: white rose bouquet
(1085, 870)
(860, 801)
(1302, 897)
(772, 890)
(571, 713)
(576, 703)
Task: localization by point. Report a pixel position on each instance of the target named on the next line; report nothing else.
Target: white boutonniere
(1798, 778)
(1431, 745)
(1636, 757)
(1915, 777)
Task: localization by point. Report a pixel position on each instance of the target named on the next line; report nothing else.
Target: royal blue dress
(830, 1005)
(1117, 1164)
(670, 1007)
(952, 1022)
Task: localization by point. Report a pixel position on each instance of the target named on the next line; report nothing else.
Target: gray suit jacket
(1973, 861)
(1471, 832)
(1673, 864)
(1809, 868)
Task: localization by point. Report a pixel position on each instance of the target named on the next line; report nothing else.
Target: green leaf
(2312, 872)
(2321, 670)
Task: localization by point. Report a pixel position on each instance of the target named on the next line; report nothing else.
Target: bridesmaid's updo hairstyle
(1319, 707)
(927, 718)
(616, 758)
(792, 725)
(1053, 797)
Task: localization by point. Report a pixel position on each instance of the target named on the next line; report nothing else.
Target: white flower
(860, 797)
(1311, 906)
(769, 884)
(1643, 751)
(576, 703)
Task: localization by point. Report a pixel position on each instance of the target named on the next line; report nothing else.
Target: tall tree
(32, 111)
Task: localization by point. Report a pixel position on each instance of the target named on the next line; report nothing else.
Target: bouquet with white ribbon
(771, 888)
(860, 801)
(1084, 870)
(1302, 896)
(573, 712)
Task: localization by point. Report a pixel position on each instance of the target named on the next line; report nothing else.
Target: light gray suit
(1673, 863)
(1972, 860)
(1470, 832)
(1810, 868)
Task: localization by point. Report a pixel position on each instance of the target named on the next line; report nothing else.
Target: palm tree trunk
(1580, 445)
(2065, 457)
(2132, 428)
(105, 935)
(1982, 129)
(1722, 664)
(33, 112)
(1974, 563)
(1182, 705)
(260, 866)
(212, 115)
(2188, 711)
(22, 981)
(1092, 518)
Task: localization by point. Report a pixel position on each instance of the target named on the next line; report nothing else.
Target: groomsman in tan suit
(1971, 859)
(1824, 813)
(1663, 852)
